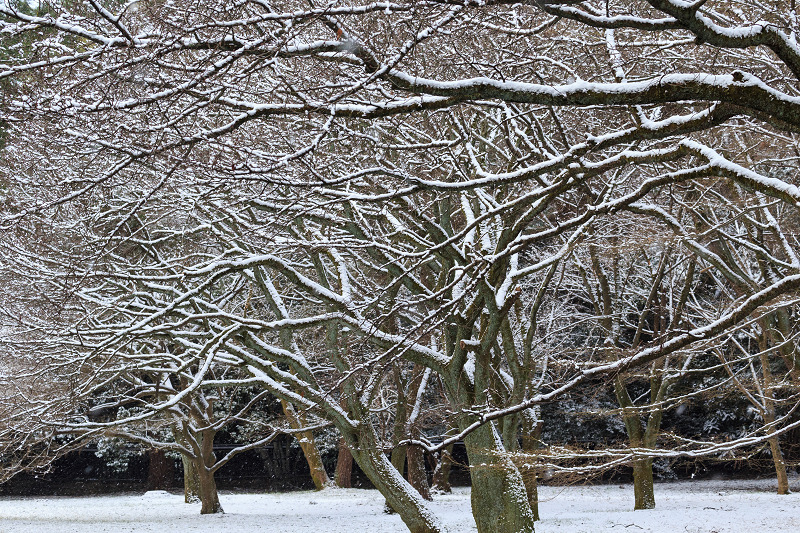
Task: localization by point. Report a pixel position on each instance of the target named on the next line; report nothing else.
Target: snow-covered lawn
(697, 506)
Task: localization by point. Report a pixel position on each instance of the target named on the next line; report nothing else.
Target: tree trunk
(417, 475)
(159, 471)
(643, 493)
(398, 460)
(530, 440)
(499, 500)
(531, 481)
(209, 498)
(344, 466)
(208, 492)
(191, 480)
(441, 474)
(309, 447)
(643, 484)
(399, 494)
(780, 465)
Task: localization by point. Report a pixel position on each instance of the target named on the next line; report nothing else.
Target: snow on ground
(691, 506)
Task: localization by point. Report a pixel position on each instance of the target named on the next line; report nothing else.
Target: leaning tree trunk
(769, 414)
(399, 494)
(780, 465)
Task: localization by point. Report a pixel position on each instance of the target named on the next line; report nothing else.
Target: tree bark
(639, 436)
(204, 463)
(398, 460)
(344, 466)
(417, 475)
(530, 440)
(209, 497)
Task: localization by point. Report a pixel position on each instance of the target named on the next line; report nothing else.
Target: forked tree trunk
(499, 500)
(344, 466)
(644, 494)
(642, 436)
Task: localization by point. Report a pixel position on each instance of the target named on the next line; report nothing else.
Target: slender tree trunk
(441, 474)
(530, 441)
(769, 408)
(780, 465)
(309, 447)
(643, 484)
(499, 500)
(191, 483)
(417, 475)
(344, 466)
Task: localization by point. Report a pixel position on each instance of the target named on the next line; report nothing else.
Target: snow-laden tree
(415, 172)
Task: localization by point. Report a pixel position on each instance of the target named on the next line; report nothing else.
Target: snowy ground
(697, 506)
